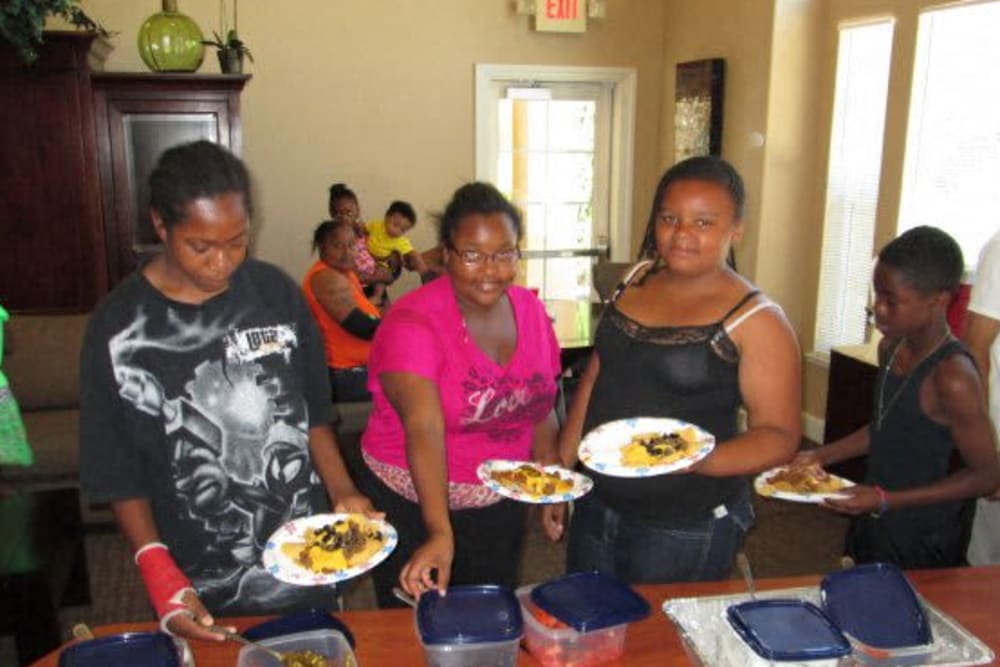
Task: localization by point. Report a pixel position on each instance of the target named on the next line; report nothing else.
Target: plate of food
(644, 446)
(327, 548)
(804, 484)
(531, 482)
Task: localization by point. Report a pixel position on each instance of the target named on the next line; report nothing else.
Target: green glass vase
(170, 41)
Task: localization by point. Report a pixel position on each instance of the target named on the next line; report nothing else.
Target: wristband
(360, 324)
(165, 583)
(883, 502)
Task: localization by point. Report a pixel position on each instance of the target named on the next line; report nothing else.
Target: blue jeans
(638, 552)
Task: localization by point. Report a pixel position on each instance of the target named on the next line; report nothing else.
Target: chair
(607, 276)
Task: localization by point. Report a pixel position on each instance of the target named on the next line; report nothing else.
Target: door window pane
(546, 161)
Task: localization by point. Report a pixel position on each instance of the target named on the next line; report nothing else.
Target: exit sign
(561, 15)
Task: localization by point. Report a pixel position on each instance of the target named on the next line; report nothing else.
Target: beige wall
(906, 15)
(772, 117)
(739, 32)
(780, 66)
(379, 94)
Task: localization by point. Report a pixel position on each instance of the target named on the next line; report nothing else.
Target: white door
(551, 146)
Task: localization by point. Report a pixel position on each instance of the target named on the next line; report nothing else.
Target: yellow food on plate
(653, 449)
(806, 480)
(529, 479)
(336, 546)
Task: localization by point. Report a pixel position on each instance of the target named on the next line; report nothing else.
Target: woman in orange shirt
(345, 316)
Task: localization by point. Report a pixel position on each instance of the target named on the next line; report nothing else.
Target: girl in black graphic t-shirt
(205, 406)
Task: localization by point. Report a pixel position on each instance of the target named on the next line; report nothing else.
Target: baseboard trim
(813, 427)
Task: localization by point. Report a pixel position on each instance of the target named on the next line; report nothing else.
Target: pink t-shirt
(489, 410)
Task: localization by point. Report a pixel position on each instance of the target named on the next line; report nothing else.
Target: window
(952, 161)
(553, 156)
(558, 141)
(852, 182)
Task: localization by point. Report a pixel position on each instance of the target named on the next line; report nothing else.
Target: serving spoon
(237, 637)
(404, 596)
(744, 565)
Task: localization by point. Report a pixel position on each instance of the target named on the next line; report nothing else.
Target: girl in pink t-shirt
(461, 370)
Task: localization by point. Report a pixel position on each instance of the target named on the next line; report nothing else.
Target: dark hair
(326, 229)
(340, 191)
(701, 168)
(197, 170)
(404, 209)
(928, 258)
(472, 198)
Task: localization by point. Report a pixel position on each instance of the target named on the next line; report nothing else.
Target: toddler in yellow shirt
(390, 247)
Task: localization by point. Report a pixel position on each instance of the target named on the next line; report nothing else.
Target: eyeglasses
(477, 258)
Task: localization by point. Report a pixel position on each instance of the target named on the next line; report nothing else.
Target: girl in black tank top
(686, 337)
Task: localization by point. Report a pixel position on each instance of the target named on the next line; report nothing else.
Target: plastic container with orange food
(579, 620)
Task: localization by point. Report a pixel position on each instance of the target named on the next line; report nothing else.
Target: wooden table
(387, 638)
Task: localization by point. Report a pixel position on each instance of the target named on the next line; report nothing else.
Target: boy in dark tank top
(914, 509)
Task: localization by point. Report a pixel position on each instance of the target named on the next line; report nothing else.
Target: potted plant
(231, 50)
(22, 22)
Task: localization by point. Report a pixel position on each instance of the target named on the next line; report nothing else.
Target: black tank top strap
(944, 350)
(947, 349)
(639, 269)
(739, 304)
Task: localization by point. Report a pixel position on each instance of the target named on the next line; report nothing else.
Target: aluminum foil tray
(711, 642)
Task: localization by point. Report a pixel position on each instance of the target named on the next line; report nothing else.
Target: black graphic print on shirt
(228, 399)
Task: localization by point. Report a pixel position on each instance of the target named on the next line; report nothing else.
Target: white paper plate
(761, 486)
(600, 449)
(581, 483)
(284, 568)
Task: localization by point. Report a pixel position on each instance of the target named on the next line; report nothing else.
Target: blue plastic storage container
(875, 606)
(311, 619)
(469, 615)
(471, 625)
(149, 649)
(785, 629)
(588, 601)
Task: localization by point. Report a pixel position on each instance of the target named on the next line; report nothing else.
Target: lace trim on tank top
(715, 334)
(460, 495)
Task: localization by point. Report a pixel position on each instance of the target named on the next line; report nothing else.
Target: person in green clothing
(14, 448)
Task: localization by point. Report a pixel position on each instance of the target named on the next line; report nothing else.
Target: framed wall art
(698, 108)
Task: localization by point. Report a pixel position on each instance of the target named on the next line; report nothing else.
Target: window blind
(860, 95)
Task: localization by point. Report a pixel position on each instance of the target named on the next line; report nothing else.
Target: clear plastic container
(327, 643)
(472, 626)
(482, 654)
(564, 646)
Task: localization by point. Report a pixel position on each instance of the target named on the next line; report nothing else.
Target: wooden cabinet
(76, 149)
(138, 116)
(52, 251)
(850, 388)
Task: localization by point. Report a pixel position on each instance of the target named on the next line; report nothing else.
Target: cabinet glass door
(146, 136)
